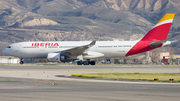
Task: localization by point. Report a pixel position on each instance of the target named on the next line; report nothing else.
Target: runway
(39, 83)
(40, 90)
(108, 67)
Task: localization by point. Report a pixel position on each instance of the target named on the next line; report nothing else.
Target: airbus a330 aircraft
(56, 51)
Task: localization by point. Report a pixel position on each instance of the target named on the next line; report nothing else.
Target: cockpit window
(8, 46)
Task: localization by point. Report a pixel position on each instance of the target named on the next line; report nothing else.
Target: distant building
(10, 60)
(164, 55)
(166, 58)
(176, 56)
(15, 60)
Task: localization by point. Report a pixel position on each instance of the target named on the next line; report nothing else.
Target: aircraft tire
(93, 62)
(21, 62)
(79, 63)
(86, 63)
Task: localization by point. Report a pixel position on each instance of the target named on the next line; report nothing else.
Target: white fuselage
(40, 49)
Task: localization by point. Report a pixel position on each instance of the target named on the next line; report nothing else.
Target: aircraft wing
(78, 50)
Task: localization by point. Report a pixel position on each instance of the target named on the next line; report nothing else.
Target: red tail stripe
(158, 33)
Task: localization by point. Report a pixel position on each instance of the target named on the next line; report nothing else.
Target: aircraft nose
(4, 51)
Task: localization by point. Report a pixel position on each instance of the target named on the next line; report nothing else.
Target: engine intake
(55, 57)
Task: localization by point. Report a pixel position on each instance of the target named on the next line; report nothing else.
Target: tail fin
(161, 29)
(155, 38)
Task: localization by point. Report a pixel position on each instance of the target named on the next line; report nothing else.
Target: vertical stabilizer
(155, 37)
(161, 29)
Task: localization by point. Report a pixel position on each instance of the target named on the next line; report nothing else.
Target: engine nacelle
(55, 57)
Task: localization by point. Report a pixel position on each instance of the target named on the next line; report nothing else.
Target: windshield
(8, 46)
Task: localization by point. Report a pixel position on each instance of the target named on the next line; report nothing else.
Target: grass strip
(162, 77)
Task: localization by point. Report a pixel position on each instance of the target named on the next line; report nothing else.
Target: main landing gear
(21, 61)
(87, 62)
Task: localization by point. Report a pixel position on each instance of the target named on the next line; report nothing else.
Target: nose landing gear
(21, 61)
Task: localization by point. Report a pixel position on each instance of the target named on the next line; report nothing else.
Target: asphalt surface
(31, 83)
(40, 90)
(92, 67)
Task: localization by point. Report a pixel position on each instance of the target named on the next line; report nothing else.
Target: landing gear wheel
(21, 62)
(79, 63)
(93, 63)
(86, 62)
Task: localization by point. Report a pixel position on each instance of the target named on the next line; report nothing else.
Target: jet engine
(55, 57)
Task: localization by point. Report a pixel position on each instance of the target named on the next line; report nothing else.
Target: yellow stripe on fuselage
(166, 17)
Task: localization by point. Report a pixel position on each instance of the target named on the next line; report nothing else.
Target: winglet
(92, 43)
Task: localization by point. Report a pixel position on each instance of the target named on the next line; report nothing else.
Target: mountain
(56, 20)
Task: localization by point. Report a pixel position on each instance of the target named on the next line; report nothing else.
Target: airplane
(56, 51)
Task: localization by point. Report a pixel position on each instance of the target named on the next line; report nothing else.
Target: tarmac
(40, 83)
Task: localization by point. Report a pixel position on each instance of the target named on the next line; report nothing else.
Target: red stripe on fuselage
(154, 35)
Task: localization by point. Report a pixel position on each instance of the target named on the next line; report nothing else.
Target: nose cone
(4, 51)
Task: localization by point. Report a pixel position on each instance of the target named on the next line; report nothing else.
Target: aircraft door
(17, 47)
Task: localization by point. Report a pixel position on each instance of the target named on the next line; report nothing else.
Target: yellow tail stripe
(166, 17)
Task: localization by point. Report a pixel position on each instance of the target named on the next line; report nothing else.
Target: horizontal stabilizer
(155, 44)
(163, 43)
(169, 42)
